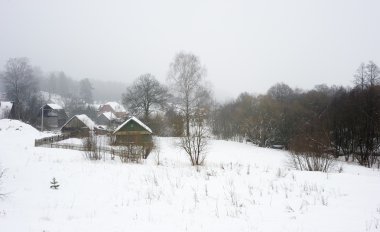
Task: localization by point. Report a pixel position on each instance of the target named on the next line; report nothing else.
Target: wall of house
(103, 120)
(133, 138)
(76, 128)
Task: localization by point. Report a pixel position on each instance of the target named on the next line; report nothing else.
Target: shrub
(92, 148)
(195, 143)
(131, 153)
(309, 153)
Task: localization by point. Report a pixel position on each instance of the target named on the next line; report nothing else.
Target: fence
(126, 155)
(50, 140)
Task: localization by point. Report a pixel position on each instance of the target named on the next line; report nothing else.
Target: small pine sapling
(54, 184)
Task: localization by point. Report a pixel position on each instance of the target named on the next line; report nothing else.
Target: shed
(79, 126)
(54, 116)
(134, 132)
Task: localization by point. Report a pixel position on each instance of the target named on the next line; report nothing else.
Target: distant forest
(61, 84)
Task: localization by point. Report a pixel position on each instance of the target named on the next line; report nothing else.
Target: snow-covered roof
(55, 106)
(86, 120)
(116, 106)
(109, 115)
(83, 118)
(137, 121)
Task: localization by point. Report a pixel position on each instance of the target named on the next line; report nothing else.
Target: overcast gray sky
(245, 45)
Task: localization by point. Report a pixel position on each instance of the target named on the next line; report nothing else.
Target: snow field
(241, 188)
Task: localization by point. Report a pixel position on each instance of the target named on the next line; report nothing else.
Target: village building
(108, 119)
(117, 109)
(51, 116)
(136, 133)
(79, 126)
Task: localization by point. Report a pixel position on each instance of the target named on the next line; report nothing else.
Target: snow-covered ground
(241, 188)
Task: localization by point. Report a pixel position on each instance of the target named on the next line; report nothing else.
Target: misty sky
(245, 45)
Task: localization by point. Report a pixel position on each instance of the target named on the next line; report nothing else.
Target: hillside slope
(241, 188)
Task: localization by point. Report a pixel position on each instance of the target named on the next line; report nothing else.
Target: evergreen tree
(54, 184)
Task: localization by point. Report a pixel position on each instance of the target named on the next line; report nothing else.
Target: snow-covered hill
(241, 188)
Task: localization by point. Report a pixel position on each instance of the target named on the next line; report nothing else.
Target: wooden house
(79, 126)
(108, 119)
(136, 133)
(53, 116)
(114, 107)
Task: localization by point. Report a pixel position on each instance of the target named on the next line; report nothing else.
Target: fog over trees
(20, 85)
(322, 123)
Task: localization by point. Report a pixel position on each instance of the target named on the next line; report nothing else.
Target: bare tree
(195, 143)
(360, 76)
(144, 94)
(367, 75)
(186, 75)
(373, 73)
(280, 92)
(19, 83)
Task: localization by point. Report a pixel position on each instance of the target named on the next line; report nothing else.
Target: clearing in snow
(240, 188)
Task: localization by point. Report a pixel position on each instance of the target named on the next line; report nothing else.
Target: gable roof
(83, 118)
(109, 115)
(116, 106)
(53, 106)
(137, 121)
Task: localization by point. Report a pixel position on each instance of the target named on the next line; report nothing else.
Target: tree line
(340, 121)
(336, 120)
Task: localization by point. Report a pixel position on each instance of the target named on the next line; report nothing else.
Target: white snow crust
(241, 188)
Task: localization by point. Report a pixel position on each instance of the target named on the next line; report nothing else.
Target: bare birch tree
(360, 76)
(373, 73)
(186, 75)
